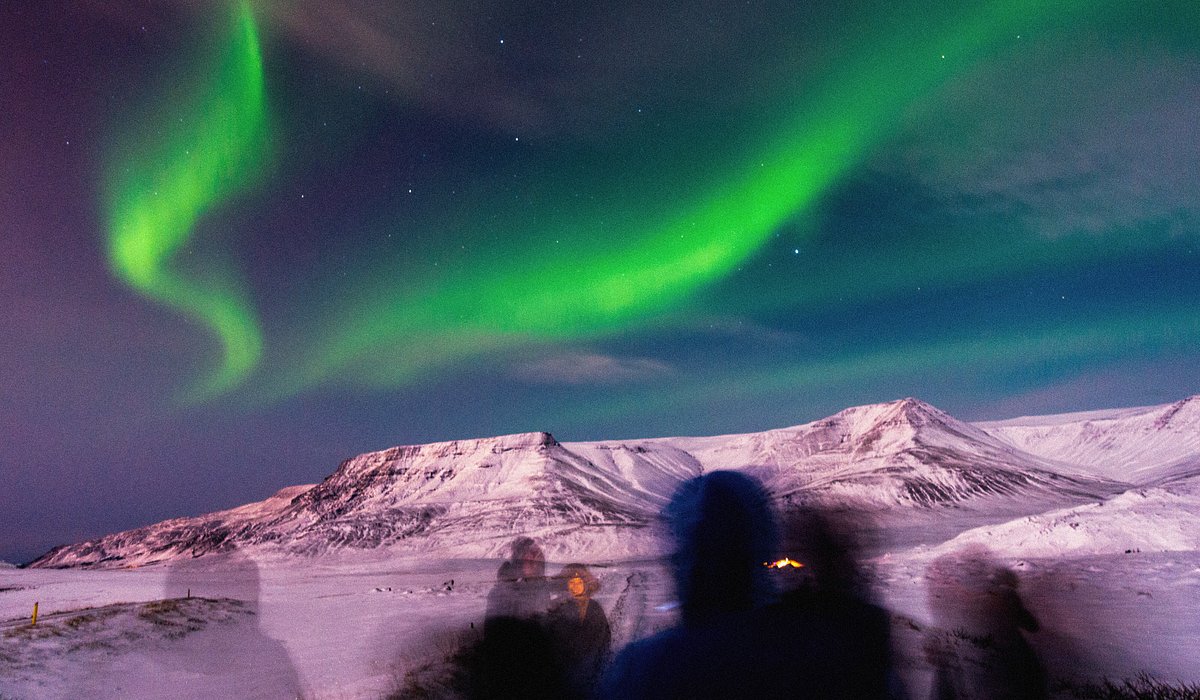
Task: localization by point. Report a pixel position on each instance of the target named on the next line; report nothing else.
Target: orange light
(782, 563)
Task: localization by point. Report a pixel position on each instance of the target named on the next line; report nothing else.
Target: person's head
(723, 530)
(528, 558)
(580, 582)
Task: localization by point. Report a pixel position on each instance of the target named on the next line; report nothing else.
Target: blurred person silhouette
(521, 590)
(979, 650)
(516, 656)
(212, 643)
(580, 630)
(251, 661)
(737, 637)
(844, 646)
(722, 530)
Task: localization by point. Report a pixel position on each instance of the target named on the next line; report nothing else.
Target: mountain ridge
(469, 497)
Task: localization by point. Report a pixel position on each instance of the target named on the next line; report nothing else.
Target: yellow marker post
(34, 614)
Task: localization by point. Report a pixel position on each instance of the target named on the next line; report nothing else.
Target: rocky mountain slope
(901, 453)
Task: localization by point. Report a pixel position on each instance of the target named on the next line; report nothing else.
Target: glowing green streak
(601, 285)
(205, 150)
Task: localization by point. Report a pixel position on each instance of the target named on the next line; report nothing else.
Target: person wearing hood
(721, 529)
(736, 637)
(516, 656)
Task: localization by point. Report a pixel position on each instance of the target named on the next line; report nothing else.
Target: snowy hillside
(901, 453)
(410, 537)
(1137, 445)
(178, 537)
(439, 495)
(1157, 519)
(470, 497)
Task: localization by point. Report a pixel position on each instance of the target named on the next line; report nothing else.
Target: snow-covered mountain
(901, 453)
(435, 496)
(175, 538)
(1143, 446)
(470, 497)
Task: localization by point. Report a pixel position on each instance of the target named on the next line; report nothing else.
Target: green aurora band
(204, 150)
(706, 226)
(623, 268)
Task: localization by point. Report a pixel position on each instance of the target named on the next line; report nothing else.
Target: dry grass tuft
(1141, 687)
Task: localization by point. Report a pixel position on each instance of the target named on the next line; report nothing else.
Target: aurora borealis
(246, 239)
(202, 153)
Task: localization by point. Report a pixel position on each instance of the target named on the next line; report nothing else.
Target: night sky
(240, 242)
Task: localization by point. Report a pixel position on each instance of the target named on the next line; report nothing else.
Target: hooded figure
(722, 531)
(521, 589)
(736, 636)
(580, 629)
(979, 649)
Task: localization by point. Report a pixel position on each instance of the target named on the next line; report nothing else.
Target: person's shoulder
(594, 608)
(649, 651)
(629, 674)
(561, 609)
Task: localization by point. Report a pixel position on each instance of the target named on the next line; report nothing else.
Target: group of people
(542, 637)
(744, 630)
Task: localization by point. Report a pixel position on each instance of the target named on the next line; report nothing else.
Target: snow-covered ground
(339, 629)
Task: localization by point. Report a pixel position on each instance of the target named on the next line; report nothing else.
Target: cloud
(590, 368)
(1066, 140)
(578, 70)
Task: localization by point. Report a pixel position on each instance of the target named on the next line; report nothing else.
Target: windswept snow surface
(341, 628)
(349, 586)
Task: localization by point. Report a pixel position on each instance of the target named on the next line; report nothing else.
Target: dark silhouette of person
(979, 650)
(521, 589)
(736, 638)
(844, 649)
(516, 656)
(580, 630)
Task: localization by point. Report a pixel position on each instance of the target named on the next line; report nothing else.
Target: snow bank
(1139, 520)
